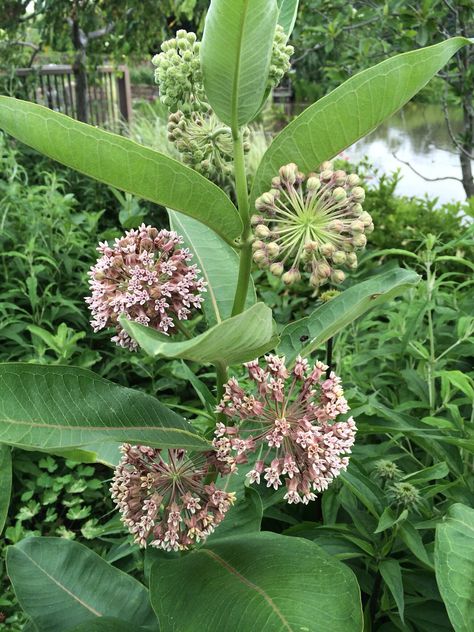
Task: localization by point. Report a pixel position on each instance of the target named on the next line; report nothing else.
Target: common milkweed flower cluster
(291, 418)
(312, 223)
(146, 277)
(163, 497)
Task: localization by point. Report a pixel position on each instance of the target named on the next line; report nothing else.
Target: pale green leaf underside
(352, 110)
(122, 163)
(5, 482)
(454, 564)
(305, 335)
(238, 339)
(219, 265)
(288, 13)
(266, 581)
(235, 55)
(58, 408)
(61, 584)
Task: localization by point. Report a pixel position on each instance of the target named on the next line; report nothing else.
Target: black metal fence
(108, 92)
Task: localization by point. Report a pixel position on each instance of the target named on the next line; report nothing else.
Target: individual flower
(280, 59)
(312, 223)
(163, 497)
(178, 72)
(291, 419)
(146, 277)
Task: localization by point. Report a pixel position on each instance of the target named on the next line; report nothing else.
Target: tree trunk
(467, 145)
(80, 72)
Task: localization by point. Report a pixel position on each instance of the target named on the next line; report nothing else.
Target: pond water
(416, 135)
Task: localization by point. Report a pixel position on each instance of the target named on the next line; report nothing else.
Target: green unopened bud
(359, 240)
(357, 226)
(339, 257)
(340, 177)
(358, 194)
(327, 250)
(336, 226)
(259, 256)
(311, 246)
(386, 470)
(357, 208)
(365, 218)
(326, 175)
(323, 270)
(276, 182)
(273, 249)
(265, 201)
(404, 495)
(369, 229)
(326, 166)
(262, 231)
(351, 260)
(353, 180)
(290, 277)
(337, 276)
(312, 184)
(258, 244)
(339, 194)
(277, 269)
(257, 219)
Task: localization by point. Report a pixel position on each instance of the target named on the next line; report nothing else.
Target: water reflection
(417, 135)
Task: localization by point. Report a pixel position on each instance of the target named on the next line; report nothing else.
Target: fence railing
(109, 99)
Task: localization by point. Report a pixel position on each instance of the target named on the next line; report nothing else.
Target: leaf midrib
(236, 82)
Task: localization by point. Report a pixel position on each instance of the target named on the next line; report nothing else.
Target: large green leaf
(265, 582)
(305, 335)
(392, 576)
(352, 110)
(219, 264)
(5, 482)
(235, 55)
(61, 584)
(238, 339)
(121, 163)
(109, 624)
(58, 408)
(454, 565)
(287, 15)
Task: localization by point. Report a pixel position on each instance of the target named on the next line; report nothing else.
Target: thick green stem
(430, 281)
(245, 265)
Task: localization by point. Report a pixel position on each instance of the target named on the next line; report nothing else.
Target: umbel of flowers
(146, 277)
(290, 420)
(163, 497)
(312, 223)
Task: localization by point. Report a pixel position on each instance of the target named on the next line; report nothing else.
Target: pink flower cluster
(291, 419)
(164, 501)
(145, 277)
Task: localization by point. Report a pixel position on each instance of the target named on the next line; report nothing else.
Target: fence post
(124, 94)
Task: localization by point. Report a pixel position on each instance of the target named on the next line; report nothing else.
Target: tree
(336, 40)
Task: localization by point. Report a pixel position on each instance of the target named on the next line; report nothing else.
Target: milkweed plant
(281, 429)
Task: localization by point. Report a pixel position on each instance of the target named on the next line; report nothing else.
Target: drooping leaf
(389, 519)
(59, 408)
(352, 110)
(5, 482)
(263, 582)
(364, 489)
(61, 584)
(235, 56)
(236, 340)
(305, 335)
(454, 565)
(392, 576)
(414, 542)
(219, 265)
(287, 15)
(122, 163)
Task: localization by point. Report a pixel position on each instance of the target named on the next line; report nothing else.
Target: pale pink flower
(163, 497)
(296, 428)
(146, 277)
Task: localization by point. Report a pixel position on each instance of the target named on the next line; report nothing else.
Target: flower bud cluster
(312, 223)
(178, 72)
(291, 420)
(280, 59)
(204, 143)
(146, 277)
(163, 498)
(405, 496)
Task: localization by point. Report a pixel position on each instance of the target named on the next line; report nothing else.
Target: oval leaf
(235, 56)
(287, 15)
(238, 339)
(270, 582)
(305, 335)
(219, 264)
(57, 408)
(122, 163)
(454, 564)
(61, 584)
(352, 110)
(5, 482)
